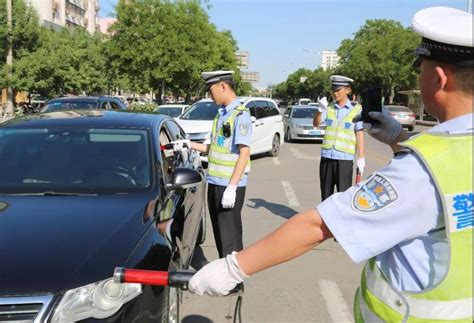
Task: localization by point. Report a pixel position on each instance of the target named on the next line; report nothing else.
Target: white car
(172, 110)
(267, 123)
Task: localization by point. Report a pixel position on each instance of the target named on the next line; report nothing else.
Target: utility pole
(469, 6)
(9, 59)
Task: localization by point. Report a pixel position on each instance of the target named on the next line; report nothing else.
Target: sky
(276, 32)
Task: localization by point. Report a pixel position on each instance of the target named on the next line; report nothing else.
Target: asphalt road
(317, 287)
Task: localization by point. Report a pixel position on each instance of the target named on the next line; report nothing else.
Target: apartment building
(61, 13)
(329, 59)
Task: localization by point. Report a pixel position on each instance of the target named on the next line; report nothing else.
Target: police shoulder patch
(375, 194)
(244, 129)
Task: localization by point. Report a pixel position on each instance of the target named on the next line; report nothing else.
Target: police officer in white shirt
(229, 161)
(411, 221)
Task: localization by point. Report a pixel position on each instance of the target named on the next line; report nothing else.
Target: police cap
(215, 77)
(447, 36)
(338, 81)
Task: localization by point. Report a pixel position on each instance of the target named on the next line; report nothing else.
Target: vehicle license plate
(314, 132)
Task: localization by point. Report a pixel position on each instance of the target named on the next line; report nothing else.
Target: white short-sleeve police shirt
(404, 230)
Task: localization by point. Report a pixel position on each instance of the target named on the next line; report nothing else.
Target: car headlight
(98, 300)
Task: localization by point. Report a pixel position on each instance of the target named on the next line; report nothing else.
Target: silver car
(298, 121)
(403, 115)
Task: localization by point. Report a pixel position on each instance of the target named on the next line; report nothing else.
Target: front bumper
(307, 134)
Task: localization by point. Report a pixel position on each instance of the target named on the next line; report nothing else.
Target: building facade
(329, 59)
(74, 13)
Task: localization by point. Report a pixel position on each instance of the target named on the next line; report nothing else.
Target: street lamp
(316, 52)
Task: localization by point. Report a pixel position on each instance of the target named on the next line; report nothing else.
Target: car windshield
(172, 112)
(74, 160)
(303, 113)
(206, 110)
(61, 105)
(398, 109)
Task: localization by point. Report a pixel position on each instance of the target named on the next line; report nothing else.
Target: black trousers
(333, 172)
(226, 223)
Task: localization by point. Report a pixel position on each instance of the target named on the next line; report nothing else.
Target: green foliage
(381, 53)
(149, 107)
(167, 44)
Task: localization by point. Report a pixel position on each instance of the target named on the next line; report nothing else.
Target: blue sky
(275, 32)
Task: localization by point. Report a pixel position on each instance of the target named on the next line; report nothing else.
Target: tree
(161, 44)
(381, 53)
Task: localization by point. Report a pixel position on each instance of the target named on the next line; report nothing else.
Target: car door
(258, 132)
(189, 206)
(286, 117)
(266, 124)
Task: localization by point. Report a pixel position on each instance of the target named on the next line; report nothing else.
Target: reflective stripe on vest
(221, 160)
(337, 136)
(448, 159)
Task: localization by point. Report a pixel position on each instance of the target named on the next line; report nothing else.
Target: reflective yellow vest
(340, 135)
(221, 160)
(449, 161)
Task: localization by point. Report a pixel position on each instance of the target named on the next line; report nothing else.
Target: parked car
(84, 103)
(81, 192)
(267, 123)
(298, 122)
(172, 110)
(304, 101)
(403, 115)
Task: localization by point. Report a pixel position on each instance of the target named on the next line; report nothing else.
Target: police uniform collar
(348, 105)
(447, 36)
(229, 108)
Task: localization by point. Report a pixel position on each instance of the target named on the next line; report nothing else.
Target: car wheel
(288, 135)
(275, 146)
(172, 310)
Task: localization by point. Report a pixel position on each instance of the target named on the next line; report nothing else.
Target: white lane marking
(335, 303)
(276, 161)
(298, 154)
(290, 194)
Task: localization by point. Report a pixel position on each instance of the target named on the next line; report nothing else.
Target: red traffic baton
(178, 278)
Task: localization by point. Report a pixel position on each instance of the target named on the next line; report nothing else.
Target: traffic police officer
(412, 221)
(228, 161)
(341, 140)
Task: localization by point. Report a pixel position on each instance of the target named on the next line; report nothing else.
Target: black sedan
(84, 103)
(83, 192)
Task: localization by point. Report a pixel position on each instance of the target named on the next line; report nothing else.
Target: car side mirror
(253, 119)
(183, 178)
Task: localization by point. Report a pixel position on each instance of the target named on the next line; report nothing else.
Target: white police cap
(338, 81)
(447, 35)
(216, 76)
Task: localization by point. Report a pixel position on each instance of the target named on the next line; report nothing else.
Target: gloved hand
(218, 277)
(361, 164)
(323, 103)
(181, 144)
(228, 199)
(387, 130)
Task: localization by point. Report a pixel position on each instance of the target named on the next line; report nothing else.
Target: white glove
(361, 164)
(182, 144)
(387, 130)
(218, 277)
(228, 199)
(323, 103)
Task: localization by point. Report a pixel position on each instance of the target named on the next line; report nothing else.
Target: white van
(304, 101)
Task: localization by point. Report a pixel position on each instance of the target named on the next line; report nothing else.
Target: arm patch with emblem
(374, 195)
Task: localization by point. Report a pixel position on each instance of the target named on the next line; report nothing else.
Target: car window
(172, 112)
(261, 109)
(175, 131)
(272, 109)
(114, 105)
(251, 106)
(202, 110)
(92, 160)
(61, 105)
(105, 105)
(287, 112)
(303, 113)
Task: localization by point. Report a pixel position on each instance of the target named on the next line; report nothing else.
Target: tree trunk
(392, 93)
